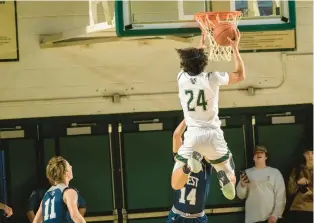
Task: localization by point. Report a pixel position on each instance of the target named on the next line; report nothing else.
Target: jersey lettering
(199, 102)
(193, 181)
(199, 96)
(193, 80)
(49, 206)
(190, 93)
(191, 197)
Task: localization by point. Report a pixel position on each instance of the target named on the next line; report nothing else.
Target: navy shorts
(176, 218)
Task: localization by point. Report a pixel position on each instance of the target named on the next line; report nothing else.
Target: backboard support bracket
(93, 16)
(88, 41)
(101, 31)
(61, 42)
(96, 31)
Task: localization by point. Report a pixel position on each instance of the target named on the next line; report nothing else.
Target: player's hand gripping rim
(235, 43)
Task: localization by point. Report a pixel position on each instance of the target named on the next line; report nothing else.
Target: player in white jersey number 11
(199, 94)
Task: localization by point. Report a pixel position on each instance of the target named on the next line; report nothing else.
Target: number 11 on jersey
(49, 204)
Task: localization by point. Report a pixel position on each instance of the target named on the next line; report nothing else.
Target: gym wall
(80, 80)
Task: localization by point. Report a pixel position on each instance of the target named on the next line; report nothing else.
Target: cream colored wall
(74, 80)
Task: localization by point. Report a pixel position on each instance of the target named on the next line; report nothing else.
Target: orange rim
(213, 15)
(202, 17)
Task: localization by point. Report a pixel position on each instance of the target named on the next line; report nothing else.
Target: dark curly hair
(193, 60)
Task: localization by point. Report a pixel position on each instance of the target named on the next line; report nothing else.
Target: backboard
(177, 17)
(265, 25)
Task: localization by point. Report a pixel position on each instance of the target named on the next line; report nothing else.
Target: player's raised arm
(70, 197)
(239, 73)
(181, 171)
(177, 137)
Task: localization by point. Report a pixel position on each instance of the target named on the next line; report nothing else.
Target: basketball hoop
(207, 22)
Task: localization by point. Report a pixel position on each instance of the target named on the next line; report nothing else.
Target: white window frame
(264, 20)
(182, 16)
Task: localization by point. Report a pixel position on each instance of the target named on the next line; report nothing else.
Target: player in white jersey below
(199, 94)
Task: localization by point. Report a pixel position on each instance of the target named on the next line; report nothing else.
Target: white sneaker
(227, 185)
(195, 165)
(193, 162)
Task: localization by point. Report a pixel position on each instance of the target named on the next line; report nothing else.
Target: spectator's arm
(292, 183)
(82, 205)
(242, 191)
(82, 211)
(32, 206)
(280, 196)
(7, 210)
(39, 215)
(30, 216)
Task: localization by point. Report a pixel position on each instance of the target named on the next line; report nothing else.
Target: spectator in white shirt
(264, 190)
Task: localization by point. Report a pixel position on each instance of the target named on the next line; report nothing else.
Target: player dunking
(198, 93)
(190, 198)
(59, 199)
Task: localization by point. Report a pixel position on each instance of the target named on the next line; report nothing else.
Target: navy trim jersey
(37, 196)
(54, 210)
(192, 197)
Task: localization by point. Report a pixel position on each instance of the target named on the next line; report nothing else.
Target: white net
(207, 22)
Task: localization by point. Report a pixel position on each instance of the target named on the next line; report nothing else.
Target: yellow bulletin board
(267, 40)
(8, 32)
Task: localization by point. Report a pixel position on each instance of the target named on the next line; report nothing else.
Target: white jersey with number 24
(199, 97)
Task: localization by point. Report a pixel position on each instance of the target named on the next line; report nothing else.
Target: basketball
(224, 30)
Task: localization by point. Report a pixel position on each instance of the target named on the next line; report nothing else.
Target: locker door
(3, 184)
(146, 148)
(282, 135)
(21, 164)
(88, 149)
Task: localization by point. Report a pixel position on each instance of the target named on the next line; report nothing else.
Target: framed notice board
(268, 40)
(9, 48)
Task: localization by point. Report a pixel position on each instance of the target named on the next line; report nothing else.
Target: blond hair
(56, 169)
